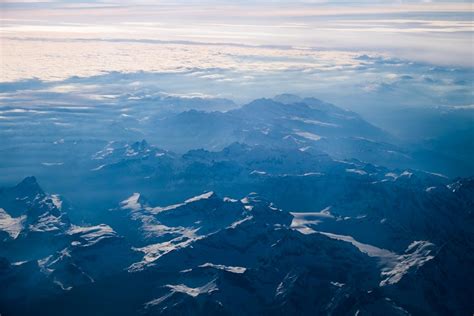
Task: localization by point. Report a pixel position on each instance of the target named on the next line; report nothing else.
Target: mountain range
(284, 206)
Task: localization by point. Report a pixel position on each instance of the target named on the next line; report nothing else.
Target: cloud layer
(437, 33)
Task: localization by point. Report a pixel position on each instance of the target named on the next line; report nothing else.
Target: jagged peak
(237, 147)
(134, 202)
(28, 181)
(264, 101)
(142, 144)
(287, 98)
(29, 185)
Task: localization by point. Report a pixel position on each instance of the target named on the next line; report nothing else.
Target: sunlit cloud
(438, 33)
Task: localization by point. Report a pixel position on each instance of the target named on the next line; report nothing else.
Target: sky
(358, 54)
(433, 32)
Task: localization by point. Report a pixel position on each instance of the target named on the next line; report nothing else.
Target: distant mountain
(62, 138)
(309, 124)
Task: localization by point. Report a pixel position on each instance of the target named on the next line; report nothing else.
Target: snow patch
(11, 225)
(394, 266)
(314, 122)
(57, 201)
(51, 164)
(131, 203)
(406, 174)
(416, 255)
(437, 174)
(337, 284)
(301, 221)
(155, 251)
(47, 223)
(258, 172)
(91, 235)
(200, 197)
(309, 174)
(159, 209)
(232, 269)
(309, 136)
(99, 168)
(372, 251)
(107, 151)
(182, 288)
(235, 224)
(357, 171)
